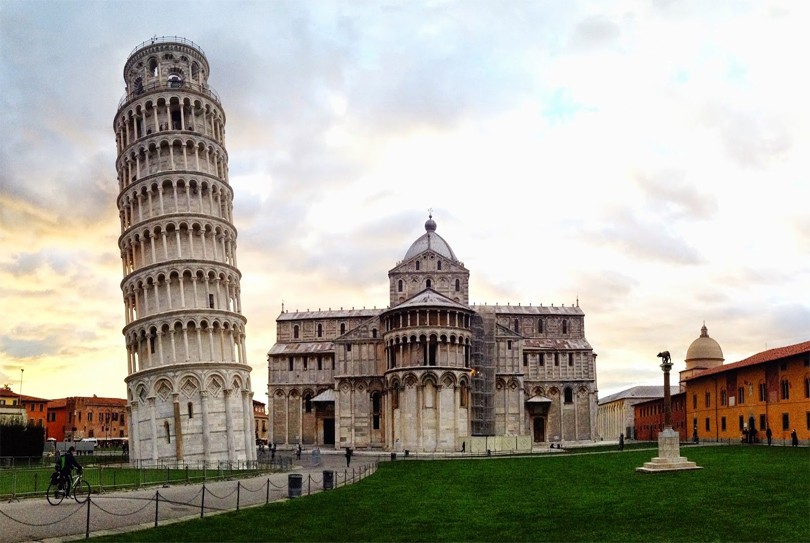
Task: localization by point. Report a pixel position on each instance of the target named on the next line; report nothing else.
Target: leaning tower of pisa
(188, 381)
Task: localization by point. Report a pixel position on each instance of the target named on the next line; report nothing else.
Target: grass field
(742, 494)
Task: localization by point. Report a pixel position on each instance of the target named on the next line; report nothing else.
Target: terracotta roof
(759, 358)
(25, 398)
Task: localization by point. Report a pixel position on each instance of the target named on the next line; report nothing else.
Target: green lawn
(742, 494)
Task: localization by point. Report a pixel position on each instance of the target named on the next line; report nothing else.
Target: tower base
(669, 455)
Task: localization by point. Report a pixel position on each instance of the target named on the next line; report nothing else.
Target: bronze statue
(664, 356)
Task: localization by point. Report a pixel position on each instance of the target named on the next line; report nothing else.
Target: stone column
(206, 437)
(134, 434)
(178, 429)
(229, 423)
(153, 426)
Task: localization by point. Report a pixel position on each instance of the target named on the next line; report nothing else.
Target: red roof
(759, 358)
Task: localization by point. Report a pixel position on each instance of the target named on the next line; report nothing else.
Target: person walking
(621, 441)
(769, 435)
(348, 456)
(794, 438)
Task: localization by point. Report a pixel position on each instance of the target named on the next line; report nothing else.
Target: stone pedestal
(669, 455)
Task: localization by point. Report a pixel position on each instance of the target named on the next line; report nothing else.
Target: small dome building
(702, 354)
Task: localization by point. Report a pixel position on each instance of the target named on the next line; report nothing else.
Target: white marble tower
(188, 381)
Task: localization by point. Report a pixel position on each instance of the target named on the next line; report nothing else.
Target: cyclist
(67, 463)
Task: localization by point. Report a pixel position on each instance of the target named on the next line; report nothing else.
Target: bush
(21, 440)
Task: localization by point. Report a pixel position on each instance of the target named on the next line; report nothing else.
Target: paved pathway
(34, 519)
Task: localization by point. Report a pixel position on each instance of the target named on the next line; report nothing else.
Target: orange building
(78, 417)
(768, 390)
(260, 416)
(36, 409)
(649, 417)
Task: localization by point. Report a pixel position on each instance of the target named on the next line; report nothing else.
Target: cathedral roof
(430, 241)
(704, 348)
(430, 298)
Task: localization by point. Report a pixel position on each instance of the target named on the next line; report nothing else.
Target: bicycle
(79, 488)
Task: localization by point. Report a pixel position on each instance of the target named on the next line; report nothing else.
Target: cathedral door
(328, 431)
(539, 429)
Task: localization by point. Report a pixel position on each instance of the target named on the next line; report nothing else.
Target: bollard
(202, 502)
(238, 487)
(328, 479)
(294, 481)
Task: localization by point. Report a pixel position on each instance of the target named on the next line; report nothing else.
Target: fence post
(238, 488)
(267, 498)
(157, 501)
(309, 484)
(87, 521)
(36, 479)
(202, 502)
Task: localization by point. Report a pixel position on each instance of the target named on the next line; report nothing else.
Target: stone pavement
(34, 519)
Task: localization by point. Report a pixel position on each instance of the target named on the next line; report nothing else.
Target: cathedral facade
(431, 372)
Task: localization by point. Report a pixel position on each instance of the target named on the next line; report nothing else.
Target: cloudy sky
(649, 158)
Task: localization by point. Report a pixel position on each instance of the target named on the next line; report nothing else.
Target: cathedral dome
(704, 351)
(430, 240)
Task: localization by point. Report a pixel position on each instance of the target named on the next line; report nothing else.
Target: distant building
(260, 416)
(770, 389)
(11, 410)
(616, 414)
(36, 409)
(649, 417)
(78, 417)
(431, 372)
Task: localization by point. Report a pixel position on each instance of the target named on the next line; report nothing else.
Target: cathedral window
(569, 395)
(290, 363)
(306, 359)
(539, 326)
(374, 333)
(439, 265)
(295, 332)
(375, 410)
(399, 286)
(320, 330)
(190, 407)
(570, 359)
(462, 400)
(168, 433)
(541, 359)
(320, 362)
(517, 326)
(308, 402)
(153, 67)
(428, 283)
(509, 345)
(556, 359)
(348, 347)
(525, 359)
(342, 328)
(565, 326)
(417, 265)
(458, 285)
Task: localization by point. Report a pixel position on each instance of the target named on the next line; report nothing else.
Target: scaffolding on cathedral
(483, 375)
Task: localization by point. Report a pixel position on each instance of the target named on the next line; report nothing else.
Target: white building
(432, 372)
(188, 380)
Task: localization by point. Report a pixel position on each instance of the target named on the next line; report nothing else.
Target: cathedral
(431, 372)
